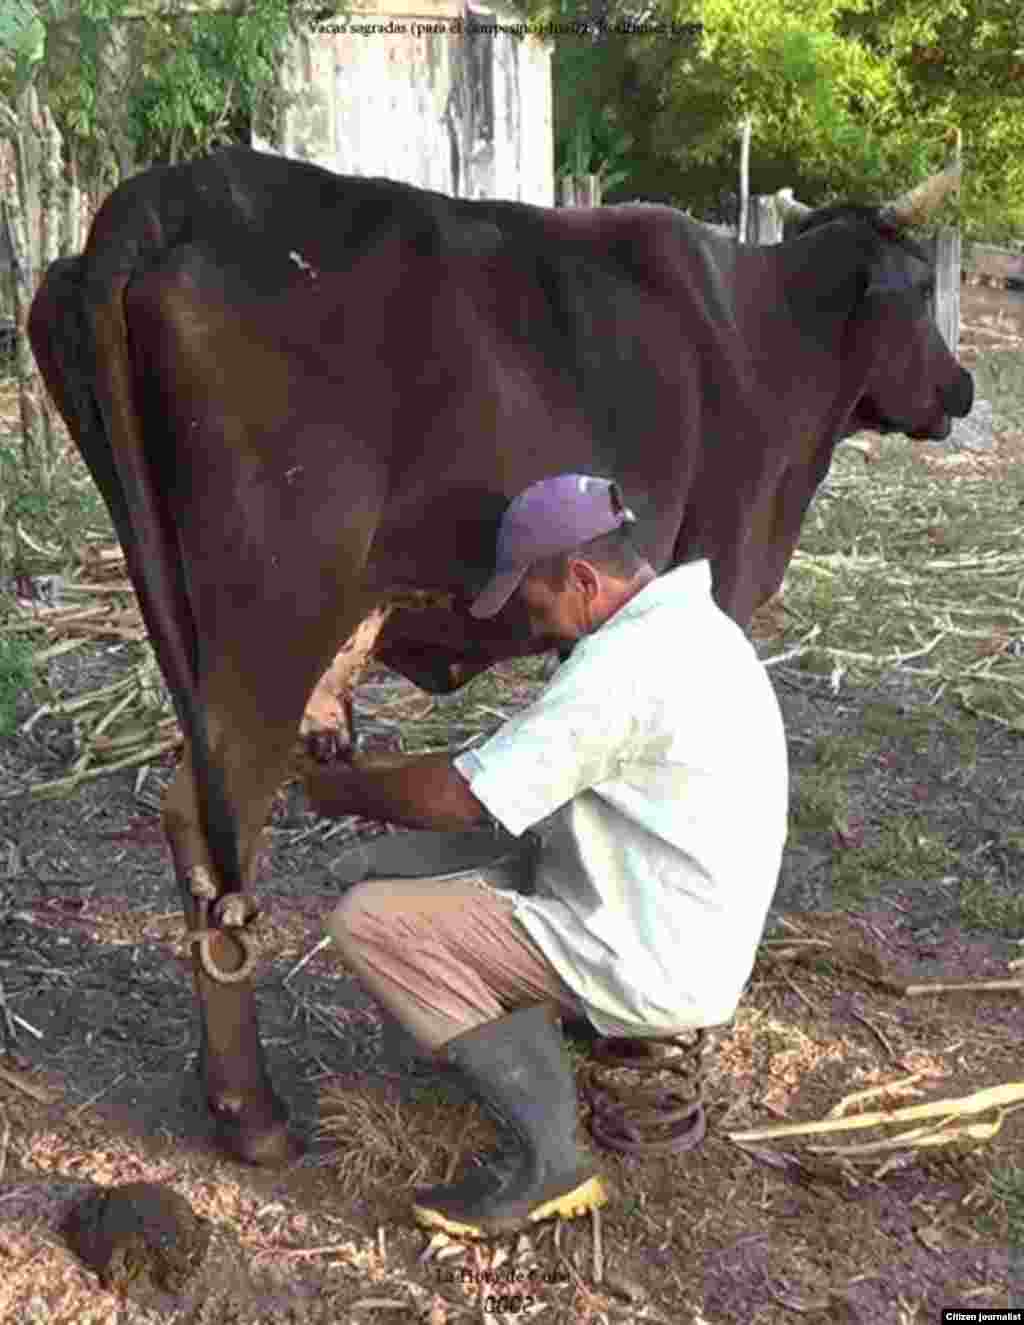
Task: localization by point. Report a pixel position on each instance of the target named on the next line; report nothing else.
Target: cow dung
(138, 1236)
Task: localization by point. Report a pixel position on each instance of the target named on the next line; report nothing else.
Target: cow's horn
(916, 205)
(788, 207)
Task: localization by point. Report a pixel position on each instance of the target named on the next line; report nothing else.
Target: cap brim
(496, 593)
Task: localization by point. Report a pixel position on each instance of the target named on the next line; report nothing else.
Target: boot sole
(588, 1195)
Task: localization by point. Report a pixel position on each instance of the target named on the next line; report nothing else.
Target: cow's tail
(82, 350)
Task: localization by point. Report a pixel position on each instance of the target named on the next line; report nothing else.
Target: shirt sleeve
(571, 738)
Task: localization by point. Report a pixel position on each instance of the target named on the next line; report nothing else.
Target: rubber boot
(518, 1069)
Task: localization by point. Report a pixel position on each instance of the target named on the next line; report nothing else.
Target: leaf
(23, 37)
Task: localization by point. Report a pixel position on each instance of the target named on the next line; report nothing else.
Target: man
(653, 767)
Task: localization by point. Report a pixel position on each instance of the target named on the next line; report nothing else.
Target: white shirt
(654, 769)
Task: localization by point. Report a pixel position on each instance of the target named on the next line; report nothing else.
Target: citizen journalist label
(982, 1315)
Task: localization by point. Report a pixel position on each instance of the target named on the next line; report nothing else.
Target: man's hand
(417, 791)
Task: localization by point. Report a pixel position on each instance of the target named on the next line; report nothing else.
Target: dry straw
(382, 1136)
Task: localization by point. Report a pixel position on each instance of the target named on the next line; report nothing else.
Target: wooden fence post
(743, 221)
(947, 285)
(764, 225)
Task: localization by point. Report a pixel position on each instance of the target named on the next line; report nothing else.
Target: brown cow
(301, 395)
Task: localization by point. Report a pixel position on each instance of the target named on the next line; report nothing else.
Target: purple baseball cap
(551, 516)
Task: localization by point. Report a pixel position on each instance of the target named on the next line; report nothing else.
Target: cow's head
(912, 384)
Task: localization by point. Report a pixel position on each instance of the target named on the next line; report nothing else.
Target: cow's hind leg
(251, 1121)
(252, 714)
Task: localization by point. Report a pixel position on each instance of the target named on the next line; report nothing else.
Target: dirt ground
(913, 877)
(92, 960)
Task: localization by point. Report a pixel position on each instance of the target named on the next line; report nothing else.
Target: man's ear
(586, 576)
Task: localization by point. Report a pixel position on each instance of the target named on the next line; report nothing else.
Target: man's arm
(416, 791)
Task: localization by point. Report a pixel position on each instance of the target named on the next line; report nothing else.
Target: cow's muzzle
(955, 402)
(958, 397)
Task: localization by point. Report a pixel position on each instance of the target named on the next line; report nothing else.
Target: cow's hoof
(271, 1148)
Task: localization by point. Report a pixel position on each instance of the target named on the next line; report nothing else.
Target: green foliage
(195, 95)
(1008, 1188)
(22, 44)
(589, 137)
(821, 101)
(856, 98)
(59, 517)
(17, 675)
(133, 82)
(962, 62)
(984, 906)
(847, 97)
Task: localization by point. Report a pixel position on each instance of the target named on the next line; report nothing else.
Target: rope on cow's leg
(232, 913)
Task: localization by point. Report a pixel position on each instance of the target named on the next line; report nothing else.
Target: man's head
(564, 545)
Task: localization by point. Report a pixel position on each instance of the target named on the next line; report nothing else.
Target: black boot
(518, 1068)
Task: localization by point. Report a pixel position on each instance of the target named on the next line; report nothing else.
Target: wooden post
(745, 131)
(947, 285)
(947, 273)
(764, 225)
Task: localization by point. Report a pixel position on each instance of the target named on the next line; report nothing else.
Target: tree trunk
(30, 389)
(51, 215)
(20, 217)
(27, 168)
(114, 77)
(52, 203)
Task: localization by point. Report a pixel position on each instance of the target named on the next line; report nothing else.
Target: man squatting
(653, 768)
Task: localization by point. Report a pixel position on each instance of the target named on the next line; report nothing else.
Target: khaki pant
(443, 956)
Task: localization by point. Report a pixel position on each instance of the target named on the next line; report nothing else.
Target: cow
(306, 398)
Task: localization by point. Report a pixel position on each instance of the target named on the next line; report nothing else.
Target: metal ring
(210, 966)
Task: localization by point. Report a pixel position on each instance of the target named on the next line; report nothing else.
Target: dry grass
(915, 571)
(385, 1136)
(910, 559)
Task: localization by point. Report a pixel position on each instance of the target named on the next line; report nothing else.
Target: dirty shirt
(653, 767)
